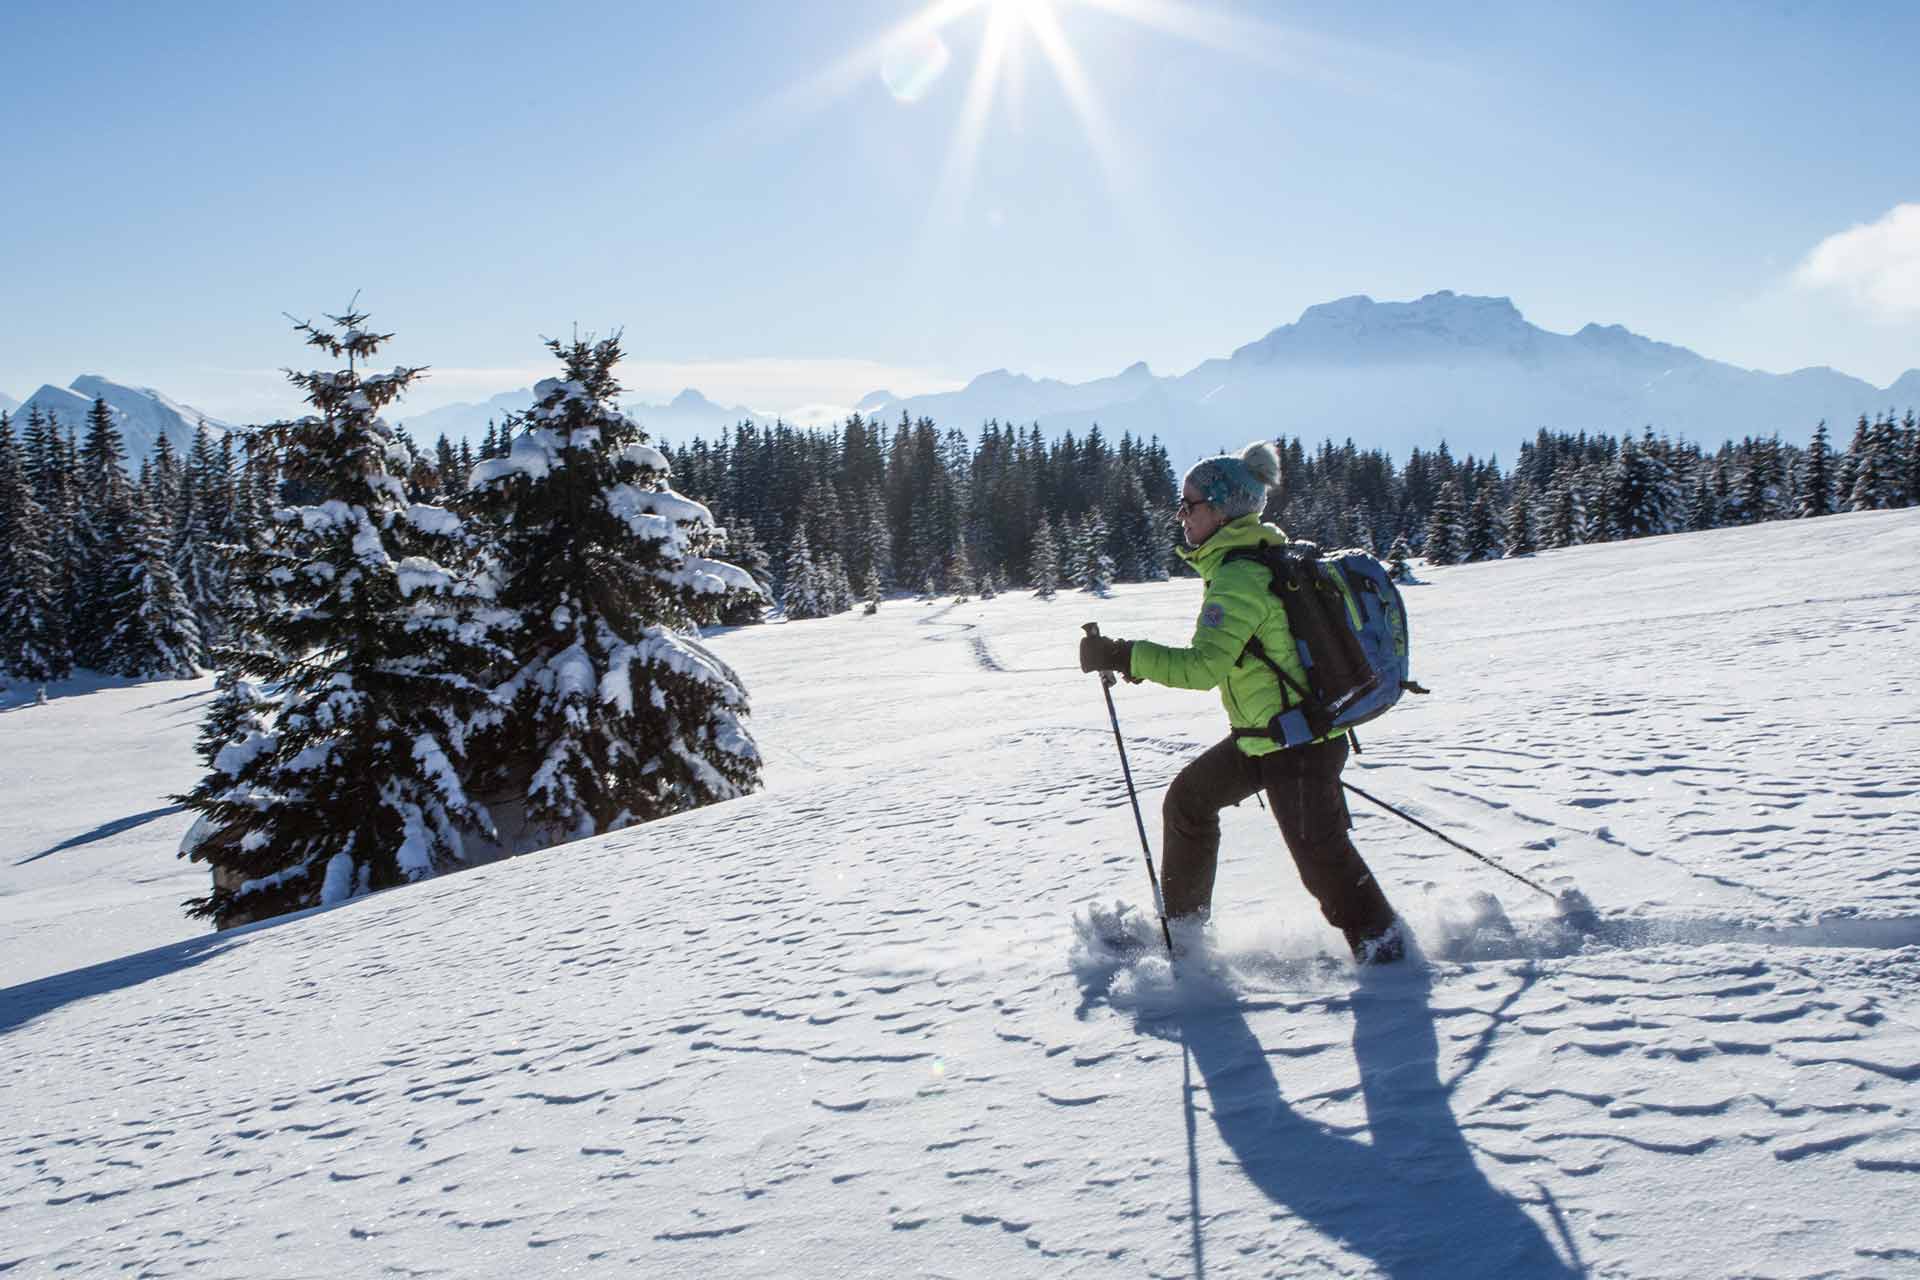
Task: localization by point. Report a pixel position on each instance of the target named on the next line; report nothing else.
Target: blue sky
(773, 204)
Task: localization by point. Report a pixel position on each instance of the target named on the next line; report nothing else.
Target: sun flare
(912, 60)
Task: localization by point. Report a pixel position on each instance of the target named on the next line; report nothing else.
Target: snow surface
(846, 1026)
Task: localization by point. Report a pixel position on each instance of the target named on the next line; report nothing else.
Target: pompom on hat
(1237, 485)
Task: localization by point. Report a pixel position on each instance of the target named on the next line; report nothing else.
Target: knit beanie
(1237, 486)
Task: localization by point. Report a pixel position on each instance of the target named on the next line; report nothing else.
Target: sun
(912, 58)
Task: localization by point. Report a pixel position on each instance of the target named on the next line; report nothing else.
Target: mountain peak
(691, 399)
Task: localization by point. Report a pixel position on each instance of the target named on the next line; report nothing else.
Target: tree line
(920, 509)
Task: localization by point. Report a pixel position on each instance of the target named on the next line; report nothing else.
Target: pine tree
(1910, 433)
(1703, 512)
(102, 541)
(1596, 504)
(201, 570)
(960, 576)
(613, 711)
(1092, 569)
(154, 632)
(1563, 511)
(837, 585)
(32, 634)
(1816, 482)
(1043, 561)
(739, 545)
(1445, 542)
(1397, 560)
(371, 624)
(1876, 484)
(1481, 539)
(1519, 522)
(803, 595)
(1640, 492)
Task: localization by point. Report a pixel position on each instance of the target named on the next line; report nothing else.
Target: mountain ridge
(1466, 369)
(143, 414)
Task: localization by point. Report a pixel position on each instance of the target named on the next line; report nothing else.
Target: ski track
(841, 1027)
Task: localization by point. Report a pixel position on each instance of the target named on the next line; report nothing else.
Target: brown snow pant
(1303, 789)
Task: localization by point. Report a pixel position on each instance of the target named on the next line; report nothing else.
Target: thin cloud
(790, 386)
(1876, 264)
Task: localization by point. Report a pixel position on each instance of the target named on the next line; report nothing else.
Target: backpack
(1350, 630)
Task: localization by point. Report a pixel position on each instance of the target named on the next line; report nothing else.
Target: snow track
(842, 1027)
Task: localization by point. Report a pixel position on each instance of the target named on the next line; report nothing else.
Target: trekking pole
(1126, 771)
(1450, 840)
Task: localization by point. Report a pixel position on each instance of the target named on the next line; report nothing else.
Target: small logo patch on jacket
(1213, 615)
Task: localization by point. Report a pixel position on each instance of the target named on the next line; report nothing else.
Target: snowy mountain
(142, 413)
(687, 415)
(7, 403)
(846, 1026)
(1470, 370)
(691, 414)
(463, 420)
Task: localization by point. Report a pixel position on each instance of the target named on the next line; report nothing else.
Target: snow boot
(1387, 946)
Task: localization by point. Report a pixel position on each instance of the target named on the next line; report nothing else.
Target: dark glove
(1099, 653)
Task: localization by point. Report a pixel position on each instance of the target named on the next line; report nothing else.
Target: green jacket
(1239, 602)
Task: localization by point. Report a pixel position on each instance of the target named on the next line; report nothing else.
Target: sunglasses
(1188, 504)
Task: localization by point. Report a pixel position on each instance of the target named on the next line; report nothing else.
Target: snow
(646, 457)
(421, 573)
(847, 1026)
(653, 513)
(534, 454)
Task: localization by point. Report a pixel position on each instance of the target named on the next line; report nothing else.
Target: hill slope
(843, 1027)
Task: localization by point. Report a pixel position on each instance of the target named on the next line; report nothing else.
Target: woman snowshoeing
(1221, 501)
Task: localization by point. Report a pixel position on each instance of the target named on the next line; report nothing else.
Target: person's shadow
(1406, 1193)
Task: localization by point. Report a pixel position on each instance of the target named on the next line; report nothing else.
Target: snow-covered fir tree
(1848, 469)
(32, 628)
(200, 568)
(153, 628)
(739, 544)
(1816, 476)
(1398, 560)
(1480, 540)
(1910, 454)
(1640, 492)
(1703, 508)
(1876, 472)
(1596, 504)
(1760, 497)
(102, 539)
(611, 711)
(1092, 568)
(960, 580)
(1446, 536)
(804, 594)
(835, 583)
(1563, 511)
(1043, 561)
(371, 626)
(1520, 540)
(1360, 530)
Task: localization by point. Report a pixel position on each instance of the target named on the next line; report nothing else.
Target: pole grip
(1106, 677)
